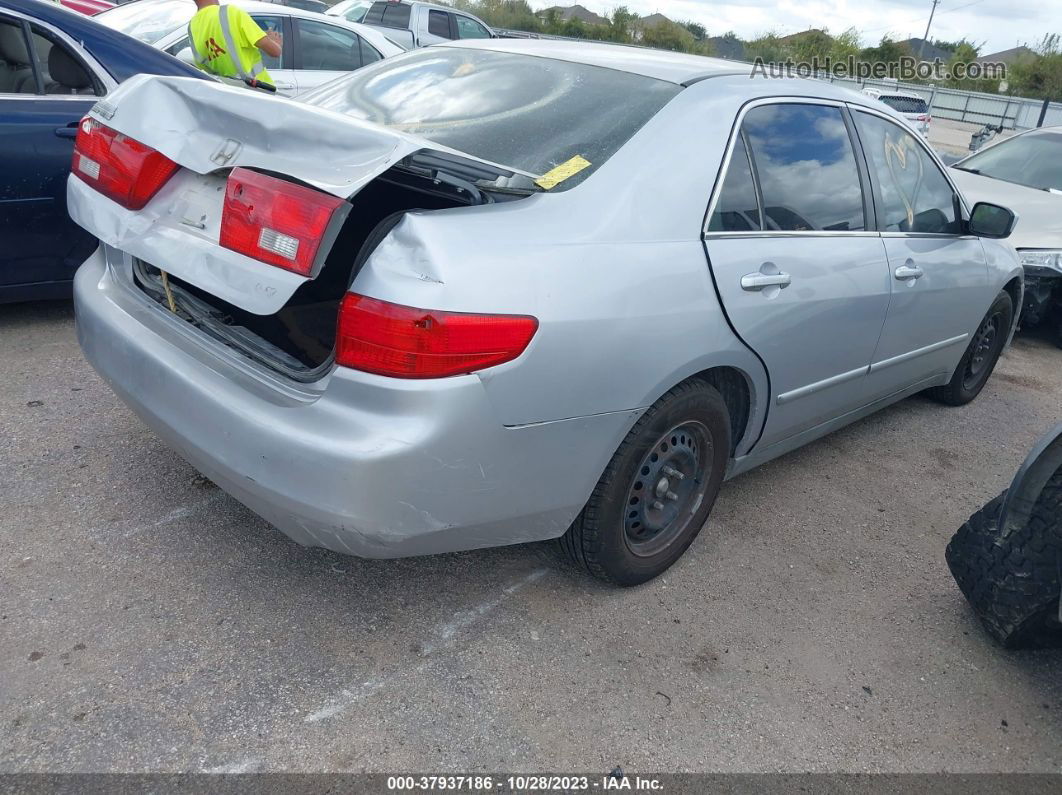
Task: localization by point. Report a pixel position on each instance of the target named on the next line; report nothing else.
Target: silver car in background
(1025, 172)
(559, 290)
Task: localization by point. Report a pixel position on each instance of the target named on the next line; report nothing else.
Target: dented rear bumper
(357, 463)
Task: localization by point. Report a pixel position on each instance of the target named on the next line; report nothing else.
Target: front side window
(328, 48)
(470, 29)
(16, 66)
(1033, 160)
(737, 208)
(439, 24)
(915, 195)
(805, 162)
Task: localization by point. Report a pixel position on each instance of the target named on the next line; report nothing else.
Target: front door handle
(906, 273)
(754, 282)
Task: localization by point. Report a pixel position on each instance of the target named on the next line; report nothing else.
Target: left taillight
(121, 168)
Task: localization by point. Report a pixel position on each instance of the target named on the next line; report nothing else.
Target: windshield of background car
(528, 113)
(903, 104)
(147, 21)
(1034, 160)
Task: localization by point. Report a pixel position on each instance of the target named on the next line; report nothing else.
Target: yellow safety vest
(232, 53)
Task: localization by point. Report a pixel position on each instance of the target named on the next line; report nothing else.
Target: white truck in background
(413, 24)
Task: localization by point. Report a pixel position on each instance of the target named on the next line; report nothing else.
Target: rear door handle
(67, 132)
(906, 273)
(754, 282)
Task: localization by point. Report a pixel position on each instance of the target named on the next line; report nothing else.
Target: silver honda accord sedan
(507, 290)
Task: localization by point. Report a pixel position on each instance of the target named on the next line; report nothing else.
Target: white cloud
(1001, 24)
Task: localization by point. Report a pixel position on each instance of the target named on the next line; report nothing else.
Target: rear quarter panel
(613, 268)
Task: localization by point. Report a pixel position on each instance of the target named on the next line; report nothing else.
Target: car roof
(674, 67)
(247, 5)
(121, 55)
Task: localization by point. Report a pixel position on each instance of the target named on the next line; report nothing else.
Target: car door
(39, 113)
(325, 52)
(939, 275)
(281, 69)
(803, 281)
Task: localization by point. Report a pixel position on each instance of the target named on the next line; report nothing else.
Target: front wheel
(981, 357)
(658, 489)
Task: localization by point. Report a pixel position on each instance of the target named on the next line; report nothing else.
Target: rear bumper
(360, 464)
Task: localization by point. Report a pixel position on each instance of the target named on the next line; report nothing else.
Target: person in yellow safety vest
(225, 41)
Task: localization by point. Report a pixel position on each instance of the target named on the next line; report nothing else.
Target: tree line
(1038, 75)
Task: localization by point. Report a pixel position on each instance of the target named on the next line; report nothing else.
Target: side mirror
(186, 56)
(991, 220)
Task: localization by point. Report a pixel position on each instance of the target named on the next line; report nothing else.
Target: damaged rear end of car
(312, 309)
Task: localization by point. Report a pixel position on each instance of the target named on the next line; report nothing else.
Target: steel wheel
(667, 489)
(984, 344)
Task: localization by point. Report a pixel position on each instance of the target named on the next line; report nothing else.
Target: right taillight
(407, 342)
(121, 168)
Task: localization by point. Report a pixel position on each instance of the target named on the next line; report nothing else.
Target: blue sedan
(54, 65)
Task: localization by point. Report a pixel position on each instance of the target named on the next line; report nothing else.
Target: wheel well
(1014, 289)
(733, 385)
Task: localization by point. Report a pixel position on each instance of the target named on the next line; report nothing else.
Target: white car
(1025, 173)
(911, 106)
(317, 48)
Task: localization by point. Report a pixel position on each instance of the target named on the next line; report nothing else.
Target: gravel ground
(150, 622)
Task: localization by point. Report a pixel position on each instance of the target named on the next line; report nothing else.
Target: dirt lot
(149, 622)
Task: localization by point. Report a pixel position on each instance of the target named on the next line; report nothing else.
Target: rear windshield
(147, 21)
(388, 14)
(905, 104)
(528, 113)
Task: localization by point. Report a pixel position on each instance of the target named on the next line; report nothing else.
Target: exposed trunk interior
(299, 340)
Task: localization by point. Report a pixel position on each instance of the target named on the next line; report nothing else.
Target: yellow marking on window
(555, 176)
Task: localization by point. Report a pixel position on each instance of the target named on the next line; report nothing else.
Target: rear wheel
(981, 357)
(658, 489)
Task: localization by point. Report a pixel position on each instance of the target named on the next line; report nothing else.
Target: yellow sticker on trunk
(555, 176)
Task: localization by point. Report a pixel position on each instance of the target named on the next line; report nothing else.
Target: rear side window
(328, 48)
(439, 24)
(737, 208)
(388, 14)
(64, 72)
(805, 162)
(915, 194)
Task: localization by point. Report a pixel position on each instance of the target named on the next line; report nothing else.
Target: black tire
(626, 540)
(1012, 583)
(981, 357)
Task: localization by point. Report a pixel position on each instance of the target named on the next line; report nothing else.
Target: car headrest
(66, 71)
(13, 46)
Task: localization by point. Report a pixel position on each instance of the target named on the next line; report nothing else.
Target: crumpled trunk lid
(209, 129)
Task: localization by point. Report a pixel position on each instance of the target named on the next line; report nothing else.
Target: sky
(1001, 24)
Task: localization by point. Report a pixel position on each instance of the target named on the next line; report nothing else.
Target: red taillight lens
(277, 222)
(122, 169)
(406, 342)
